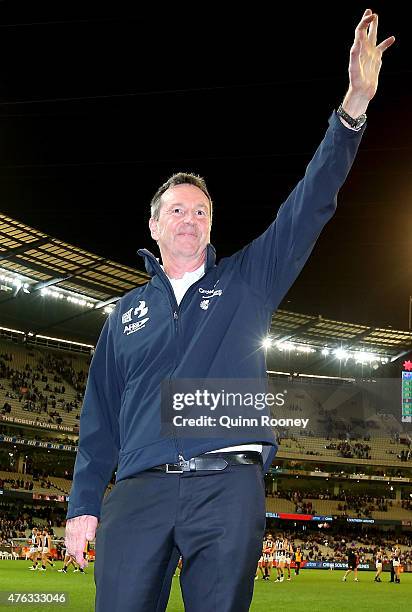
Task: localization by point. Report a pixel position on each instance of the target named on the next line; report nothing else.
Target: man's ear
(153, 226)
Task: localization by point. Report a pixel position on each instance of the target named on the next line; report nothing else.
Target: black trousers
(215, 520)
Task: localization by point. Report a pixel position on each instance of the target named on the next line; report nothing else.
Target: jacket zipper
(176, 309)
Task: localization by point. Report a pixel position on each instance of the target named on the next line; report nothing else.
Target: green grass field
(313, 590)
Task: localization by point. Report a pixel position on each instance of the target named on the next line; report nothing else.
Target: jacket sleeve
(271, 263)
(98, 448)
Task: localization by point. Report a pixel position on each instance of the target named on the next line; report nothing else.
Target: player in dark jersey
(353, 562)
(70, 560)
(46, 548)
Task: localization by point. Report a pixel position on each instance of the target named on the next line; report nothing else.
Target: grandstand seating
(279, 505)
(331, 507)
(24, 357)
(327, 550)
(317, 401)
(383, 451)
(62, 484)
(37, 488)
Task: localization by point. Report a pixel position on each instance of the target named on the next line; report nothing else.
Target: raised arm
(289, 240)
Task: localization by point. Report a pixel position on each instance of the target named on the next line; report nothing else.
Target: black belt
(212, 461)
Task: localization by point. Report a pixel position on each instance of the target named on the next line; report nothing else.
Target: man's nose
(189, 217)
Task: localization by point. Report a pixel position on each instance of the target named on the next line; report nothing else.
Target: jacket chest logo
(207, 295)
(130, 325)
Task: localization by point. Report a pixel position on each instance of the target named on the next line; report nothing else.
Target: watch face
(360, 121)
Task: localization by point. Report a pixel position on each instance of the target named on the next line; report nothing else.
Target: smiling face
(183, 228)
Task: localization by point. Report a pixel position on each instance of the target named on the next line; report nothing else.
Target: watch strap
(354, 123)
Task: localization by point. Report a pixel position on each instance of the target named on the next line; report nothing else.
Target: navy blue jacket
(149, 338)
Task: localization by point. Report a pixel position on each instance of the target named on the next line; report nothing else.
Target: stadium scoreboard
(407, 397)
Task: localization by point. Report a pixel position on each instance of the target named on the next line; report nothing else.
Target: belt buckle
(176, 470)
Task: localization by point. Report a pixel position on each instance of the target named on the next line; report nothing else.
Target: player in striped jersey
(34, 548)
(396, 561)
(268, 550)
(378, 564)
(288, 548)
(280, 557)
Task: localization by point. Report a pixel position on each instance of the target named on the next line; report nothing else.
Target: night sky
(98, 108)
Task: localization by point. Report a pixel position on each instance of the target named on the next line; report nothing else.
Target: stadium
(342, 483)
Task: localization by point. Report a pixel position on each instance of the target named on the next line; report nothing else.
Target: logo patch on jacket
(140, 311)
(208, 294)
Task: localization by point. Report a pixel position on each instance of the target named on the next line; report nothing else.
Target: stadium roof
(52, 263)
(319, 332)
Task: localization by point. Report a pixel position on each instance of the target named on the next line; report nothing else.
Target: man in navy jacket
(198, 497)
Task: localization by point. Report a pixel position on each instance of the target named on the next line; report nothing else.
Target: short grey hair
(181, 178)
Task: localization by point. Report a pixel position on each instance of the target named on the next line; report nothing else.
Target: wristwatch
(357, 123)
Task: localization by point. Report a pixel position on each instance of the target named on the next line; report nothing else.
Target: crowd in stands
(17, 520)
(296, 497)
(12, 528)
(40, 389)
(357, 450)
(363, 505)
(24, 485)
(77, 379)
(345, 445)
(11, 483)
(405, 455)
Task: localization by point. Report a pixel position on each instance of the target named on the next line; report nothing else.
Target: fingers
(385, 44)
(368, 29)
(78, 531)
(75, 536)
(367, 18)
(373, 30)
(80, 559)
(91, 526)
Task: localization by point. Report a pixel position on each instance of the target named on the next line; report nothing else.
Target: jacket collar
(153, 267)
